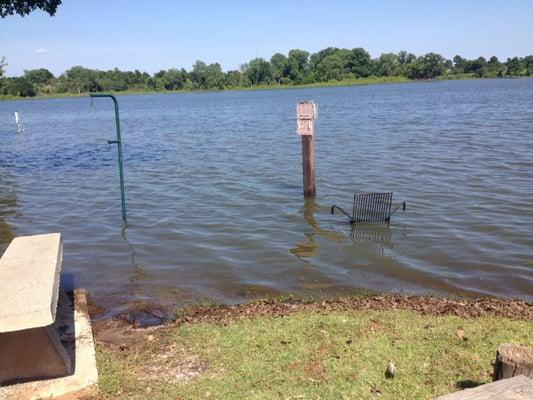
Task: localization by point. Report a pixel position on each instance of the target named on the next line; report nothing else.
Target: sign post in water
(118, 142)
(306, 113)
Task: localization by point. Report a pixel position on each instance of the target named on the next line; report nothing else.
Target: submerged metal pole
(118, 141)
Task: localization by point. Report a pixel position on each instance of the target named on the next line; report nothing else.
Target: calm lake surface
(213, 186)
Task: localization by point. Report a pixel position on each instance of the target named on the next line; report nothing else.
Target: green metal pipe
(118, 141)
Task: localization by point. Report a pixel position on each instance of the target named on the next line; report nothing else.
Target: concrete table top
(29, 282)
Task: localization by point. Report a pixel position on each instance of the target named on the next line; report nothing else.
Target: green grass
(111, 378)
(307, 355)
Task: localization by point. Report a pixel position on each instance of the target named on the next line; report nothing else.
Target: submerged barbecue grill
(371, 207)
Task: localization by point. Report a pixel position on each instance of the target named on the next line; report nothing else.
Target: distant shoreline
(341, 83)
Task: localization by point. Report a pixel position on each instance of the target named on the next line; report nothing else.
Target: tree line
(298, 67)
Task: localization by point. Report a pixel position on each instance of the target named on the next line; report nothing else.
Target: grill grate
(370, 207)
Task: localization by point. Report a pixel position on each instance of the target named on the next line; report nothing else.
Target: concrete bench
(29, 289)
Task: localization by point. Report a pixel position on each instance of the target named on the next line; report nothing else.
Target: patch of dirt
(119, 333)
(157, 360)
(314, 371)
(173, 364)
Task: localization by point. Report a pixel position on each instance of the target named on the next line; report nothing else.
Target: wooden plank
(29, 272)
(517, 388)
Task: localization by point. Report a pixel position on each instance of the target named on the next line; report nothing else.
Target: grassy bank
(329, 350)
(344, 82)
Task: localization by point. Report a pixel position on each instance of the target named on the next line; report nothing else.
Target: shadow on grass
(467, 384)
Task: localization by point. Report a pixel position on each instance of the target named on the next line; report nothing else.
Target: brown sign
(306, 112)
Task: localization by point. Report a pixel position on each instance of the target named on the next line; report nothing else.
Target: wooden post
(306, 112)
(512, 360)
(308, 159)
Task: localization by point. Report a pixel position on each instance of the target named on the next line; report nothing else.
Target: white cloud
(41, 51)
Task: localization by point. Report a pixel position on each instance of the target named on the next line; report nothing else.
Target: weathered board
(517, 388)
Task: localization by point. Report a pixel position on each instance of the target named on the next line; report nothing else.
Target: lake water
(214, 191)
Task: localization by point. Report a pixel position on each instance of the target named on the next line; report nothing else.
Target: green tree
(39, 76)
(494, 66)
(514, 66)
(279, 65)
(528, 61)
(20, 87)
(258, 71)
(448, 65)
(112, 80)
(428, 66)
(330, 68)
(243, 72)
(199, 74)
(344, 55)
(25, 7)
(477, 67)
(316, 58)
(328, 64)
(459, 64)
(405, 59)
(174, 79)
(135, 80)
(387, 64)
(79, 79)
(435, 65)
(359, 63)
(298, 62)
(232, 79)
(316, 66)
(151, 84)
(214, 78)
(158, 81)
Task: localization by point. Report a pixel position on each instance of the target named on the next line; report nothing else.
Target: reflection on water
(137, 272)
(377, 235)
(8, 207)
(310, 247)
(6, 234)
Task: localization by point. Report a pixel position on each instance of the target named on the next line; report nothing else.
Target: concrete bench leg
(32, 353)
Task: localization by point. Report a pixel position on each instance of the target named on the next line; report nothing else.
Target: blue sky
(161, 34)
